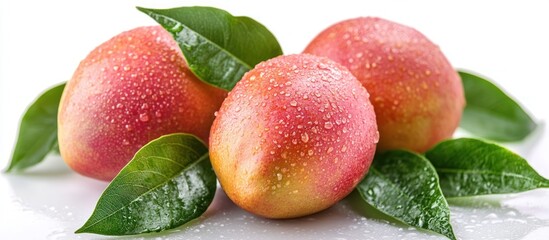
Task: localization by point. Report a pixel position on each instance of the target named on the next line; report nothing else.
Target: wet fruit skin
(293, 137)
(417, 95)
(129, 90)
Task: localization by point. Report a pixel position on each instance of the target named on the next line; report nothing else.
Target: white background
(42, 43)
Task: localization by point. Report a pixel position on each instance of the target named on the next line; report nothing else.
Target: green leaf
(168, 182)
(471, 167)
(490, 113)
(404, 185)
(37, 131)
(219, 47)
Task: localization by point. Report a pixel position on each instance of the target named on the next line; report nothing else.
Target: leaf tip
(143, 10)
(11, 166)
(545, 183)
(85, 228)
(80, 230)
(451, 235)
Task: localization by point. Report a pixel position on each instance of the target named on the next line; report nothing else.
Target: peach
(129, 90)
(293, 137)
(417, 95)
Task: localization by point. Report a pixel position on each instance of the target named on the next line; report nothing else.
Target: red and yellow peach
(417, 95)
(128, 91)
(293, 137)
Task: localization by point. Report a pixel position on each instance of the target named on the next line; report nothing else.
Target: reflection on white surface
(51, 201)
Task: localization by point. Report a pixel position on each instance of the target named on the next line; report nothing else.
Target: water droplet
(328, 125)
(144, 117)
(305, 137)
(115, 68)
(293, 103)
(148, 91)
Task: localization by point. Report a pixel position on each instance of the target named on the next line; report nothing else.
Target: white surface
(42, 42)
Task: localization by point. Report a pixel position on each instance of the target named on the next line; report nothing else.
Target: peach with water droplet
(293, 137)
(417, 95)
(128, 91)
